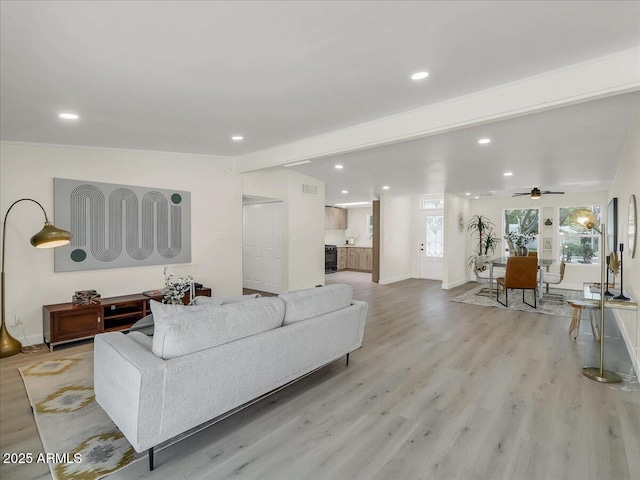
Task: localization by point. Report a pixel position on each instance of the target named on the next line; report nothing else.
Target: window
(432, 204)
(370, 226)
(435, 238)
(522, 221)
(578, 247)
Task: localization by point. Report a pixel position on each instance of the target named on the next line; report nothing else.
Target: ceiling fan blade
(521, 194)
(552, 193)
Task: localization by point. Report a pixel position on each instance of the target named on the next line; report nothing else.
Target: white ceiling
(571, 149)
(185, 76)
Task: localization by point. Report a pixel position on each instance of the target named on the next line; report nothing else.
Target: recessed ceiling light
(351, 204)
(385, 187)
(419, 75)
(69, 116)
(476, 197)
(339, 167)
(237, 138)
(508, 174)
(345, 191)
(467, 194)
(484, 141)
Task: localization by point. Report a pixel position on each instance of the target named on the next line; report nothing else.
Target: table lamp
(50, 236)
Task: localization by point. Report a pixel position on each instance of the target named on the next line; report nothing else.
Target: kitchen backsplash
(334, 237)
(337, 237)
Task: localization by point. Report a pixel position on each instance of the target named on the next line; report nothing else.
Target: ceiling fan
(536, 193)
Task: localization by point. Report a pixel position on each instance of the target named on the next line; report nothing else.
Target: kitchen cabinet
(342, 258)
(357, 258)
(335, 218)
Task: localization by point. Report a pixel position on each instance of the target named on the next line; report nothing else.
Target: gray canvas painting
(116, 226)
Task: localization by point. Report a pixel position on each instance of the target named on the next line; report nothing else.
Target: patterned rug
(70, 421)
(553, 303)
(80, 440)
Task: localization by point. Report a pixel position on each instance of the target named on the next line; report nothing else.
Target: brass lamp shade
(50, 237)
(583, 220)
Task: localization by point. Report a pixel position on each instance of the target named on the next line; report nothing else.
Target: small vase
(523, 251)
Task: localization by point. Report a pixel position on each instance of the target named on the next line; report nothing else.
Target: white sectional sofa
(206, 360)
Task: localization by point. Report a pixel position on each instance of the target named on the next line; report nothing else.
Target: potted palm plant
(487, 240)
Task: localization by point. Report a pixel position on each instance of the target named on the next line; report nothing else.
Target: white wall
(457, 242)
(626, 183)
(395, 238)
(303, 247)
(493, 208)
(334, 237)
(357, 220)
(28, 171)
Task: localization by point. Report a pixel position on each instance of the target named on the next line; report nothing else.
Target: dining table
(543, 266)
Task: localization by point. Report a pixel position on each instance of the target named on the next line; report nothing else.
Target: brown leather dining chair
(521, 273)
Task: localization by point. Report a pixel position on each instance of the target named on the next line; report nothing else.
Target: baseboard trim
(627, 341)
(387, 281)
(30, 340)
(449, 286)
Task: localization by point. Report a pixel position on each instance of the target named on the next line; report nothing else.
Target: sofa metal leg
(151, 459)
(347, 359)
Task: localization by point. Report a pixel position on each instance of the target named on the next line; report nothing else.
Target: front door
(431, 244)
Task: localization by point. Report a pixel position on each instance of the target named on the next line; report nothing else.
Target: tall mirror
(633, 226)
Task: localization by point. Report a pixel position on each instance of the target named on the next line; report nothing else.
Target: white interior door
(431, 244)
(262, 247)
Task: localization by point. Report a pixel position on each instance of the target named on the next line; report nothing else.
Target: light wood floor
(440, 390)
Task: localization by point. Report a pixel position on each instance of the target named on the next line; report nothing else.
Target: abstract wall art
(115, 226)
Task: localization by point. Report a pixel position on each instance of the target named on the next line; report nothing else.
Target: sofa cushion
(163, 310)
(224, 300)
(313, 302)
(201, 327)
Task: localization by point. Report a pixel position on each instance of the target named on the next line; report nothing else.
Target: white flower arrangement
(351, 235)
(174, 291)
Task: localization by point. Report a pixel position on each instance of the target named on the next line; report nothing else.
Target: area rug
(71, 422)
(79, 439)
(553, 303)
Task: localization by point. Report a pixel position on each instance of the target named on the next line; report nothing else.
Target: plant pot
(523, 251)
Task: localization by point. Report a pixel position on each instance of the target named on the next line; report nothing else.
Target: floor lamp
(48, 237)
(583, 220)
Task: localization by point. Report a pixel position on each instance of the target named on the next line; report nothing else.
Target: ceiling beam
(602, 77)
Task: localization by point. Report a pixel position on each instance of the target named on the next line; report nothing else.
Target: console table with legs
(67, 322)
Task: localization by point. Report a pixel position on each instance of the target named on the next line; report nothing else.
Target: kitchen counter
(353, 246)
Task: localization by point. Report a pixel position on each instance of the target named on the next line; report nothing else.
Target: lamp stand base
(8, 345)
(607, 376)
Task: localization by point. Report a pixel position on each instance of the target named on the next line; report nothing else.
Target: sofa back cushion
(201, 327)
(313, 302)
(163, 310)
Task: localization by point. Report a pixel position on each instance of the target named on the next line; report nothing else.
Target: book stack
(86, 297)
